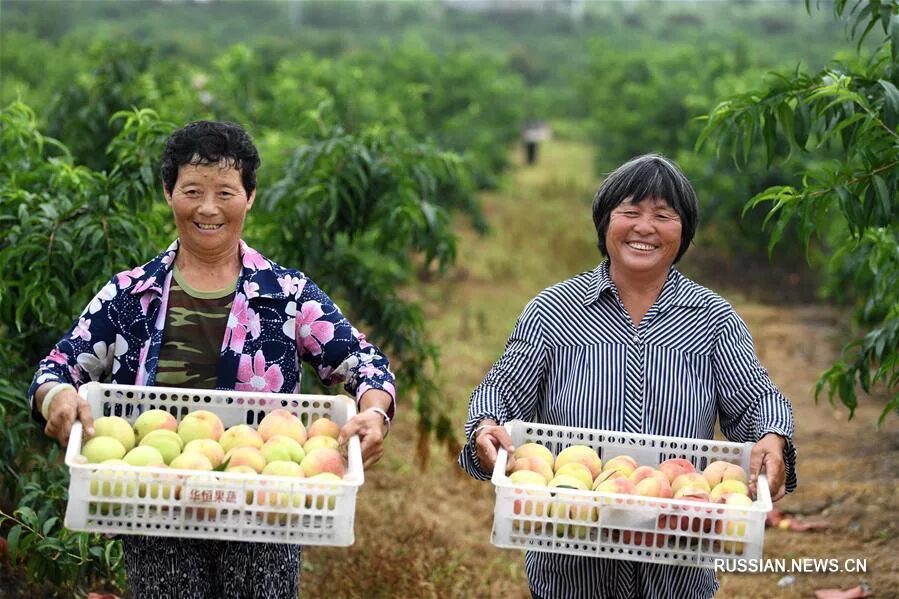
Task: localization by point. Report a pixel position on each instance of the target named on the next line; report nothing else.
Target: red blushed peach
(282, 422)
(675, 467)
(719, 471)
(692, 480)
(535, 450)
(201, 424)
(654, 487)
(151, 420)
(580, 454)
(695, 514)
(624, 464)
(323, 427)
(646, 472)
(323, 460)
(534, 464)
(621, 485)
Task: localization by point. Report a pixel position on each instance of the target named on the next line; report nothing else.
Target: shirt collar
(674, 292)
(256, 270)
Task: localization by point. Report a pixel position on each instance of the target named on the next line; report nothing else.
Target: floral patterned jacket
(277, 318)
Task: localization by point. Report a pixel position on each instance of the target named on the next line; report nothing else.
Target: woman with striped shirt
(633, 346)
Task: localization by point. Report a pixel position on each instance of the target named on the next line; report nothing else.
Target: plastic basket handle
(74, 449)
(502, 458)
(354, 446)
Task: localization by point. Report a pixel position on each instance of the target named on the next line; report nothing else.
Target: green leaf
(891, 104)
(49, 524)
(13, 540)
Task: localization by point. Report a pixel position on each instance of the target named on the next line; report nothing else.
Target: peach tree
(843, 123)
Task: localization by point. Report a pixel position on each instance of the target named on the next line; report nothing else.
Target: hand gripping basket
(627, 527)
(211, 505)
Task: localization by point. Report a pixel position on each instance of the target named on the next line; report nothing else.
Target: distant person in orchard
(210, 312)
(633, 346)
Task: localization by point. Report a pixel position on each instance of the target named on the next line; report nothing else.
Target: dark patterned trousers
(163, 567)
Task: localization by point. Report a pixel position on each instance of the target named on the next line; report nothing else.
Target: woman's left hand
(769, 452)
(370, 427)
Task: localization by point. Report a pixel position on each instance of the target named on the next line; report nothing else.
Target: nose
(644, 224)
(208, 205)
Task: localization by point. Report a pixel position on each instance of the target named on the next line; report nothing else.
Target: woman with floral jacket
(211, 312)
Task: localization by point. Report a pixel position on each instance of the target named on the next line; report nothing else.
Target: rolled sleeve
(511, 388)
(749, 402)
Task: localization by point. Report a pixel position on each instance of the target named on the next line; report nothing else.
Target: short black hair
(647, 176)
(210, 142)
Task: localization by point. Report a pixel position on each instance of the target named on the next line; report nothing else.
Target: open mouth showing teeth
(206, 227)
(641, 246)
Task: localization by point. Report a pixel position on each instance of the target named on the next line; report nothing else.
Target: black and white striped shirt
(576, 359)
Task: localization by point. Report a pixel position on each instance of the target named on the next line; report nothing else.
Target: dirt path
(434, 523)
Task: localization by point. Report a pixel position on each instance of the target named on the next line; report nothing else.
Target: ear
(168, 196)
(251, 199)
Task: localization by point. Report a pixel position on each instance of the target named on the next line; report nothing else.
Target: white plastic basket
(213, 505)
(627, 527)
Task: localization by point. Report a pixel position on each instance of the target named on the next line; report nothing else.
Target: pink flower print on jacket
(311, 332)
(241, 320)
(82, 329)
(58, 357)
(254, 376)
(250, 289)
(124, 278)
(292, 286)
(253, 259)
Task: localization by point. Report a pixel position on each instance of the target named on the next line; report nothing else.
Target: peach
(720, 470)
(201, 424)
(279, 448)
(621, 485)
(607, 475)
(319, 442)
(152, 420)
(325, 494)
(643, 472)
(283, 468)
(156, 486)
(577, 470)
(534, 464)
(143, 455)
(674, 467)
(167, 442)
(580, 454)
(690, 479)
(728, 486)
(534, 450)
(244, 470)
(323, 427)
(191, 460)
(245, 456)
(111, 484)
(735, 527)
(279, 494)
(240, 435)
(692, 494)
(208, 447)
(654, 487)
(527, 505)
(101, 449)
(323, 460)
(624, 464)
(571, 507)
(283, 423)
(117, 428)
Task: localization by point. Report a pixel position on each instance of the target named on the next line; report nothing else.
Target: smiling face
(210, 204)
(643, 238)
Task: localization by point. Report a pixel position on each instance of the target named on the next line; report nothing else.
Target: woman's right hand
(488, 440)
(66, 407)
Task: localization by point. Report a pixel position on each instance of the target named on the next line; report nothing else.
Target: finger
(502, 436)
(774, 468)
(84, 415)
(487, 453)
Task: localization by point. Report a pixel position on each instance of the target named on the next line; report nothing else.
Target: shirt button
(636, 339)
